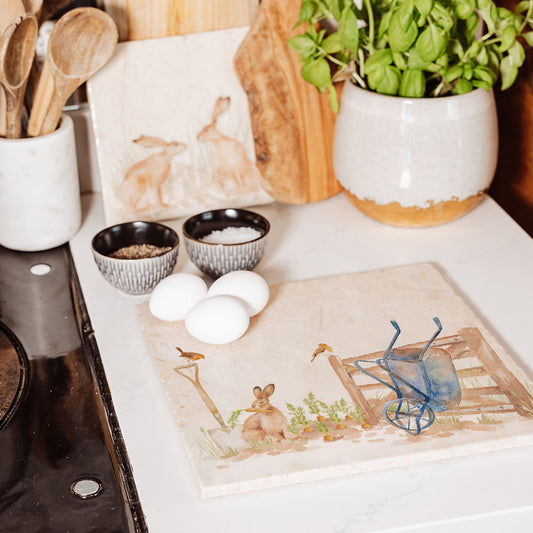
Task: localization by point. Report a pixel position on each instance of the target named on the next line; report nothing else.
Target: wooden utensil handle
(14, 106)
(53, 115)
(41, 103)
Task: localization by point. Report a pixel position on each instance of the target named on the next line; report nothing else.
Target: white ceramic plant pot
(39, 190)
(415, 162)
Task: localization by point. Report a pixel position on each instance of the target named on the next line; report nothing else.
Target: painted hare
(233, 167)
(141, 187)
(267, 422)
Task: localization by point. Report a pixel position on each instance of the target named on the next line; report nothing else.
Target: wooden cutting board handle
(292, 122)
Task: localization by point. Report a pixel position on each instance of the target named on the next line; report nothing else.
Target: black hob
(63, 463)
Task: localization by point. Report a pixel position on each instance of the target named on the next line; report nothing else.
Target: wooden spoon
(17, 49)
(82, 41)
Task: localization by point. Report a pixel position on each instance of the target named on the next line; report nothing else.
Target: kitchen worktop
(485, 256)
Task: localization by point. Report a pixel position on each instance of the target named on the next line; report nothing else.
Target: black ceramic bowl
(135, 275)
(217, 259)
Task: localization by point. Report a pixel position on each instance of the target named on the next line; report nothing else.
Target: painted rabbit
(233, 167)
(141, 187)
(267, 421)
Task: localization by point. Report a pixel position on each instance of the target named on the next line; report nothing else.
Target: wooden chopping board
(292, 122)
(145, 19)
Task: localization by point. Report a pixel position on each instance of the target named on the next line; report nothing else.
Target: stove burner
(13, 366)
(63, 462)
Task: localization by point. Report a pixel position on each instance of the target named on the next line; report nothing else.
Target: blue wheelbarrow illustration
(425, 382)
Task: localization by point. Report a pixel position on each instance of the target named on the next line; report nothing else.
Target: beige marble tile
(194, 154)
(351, 314)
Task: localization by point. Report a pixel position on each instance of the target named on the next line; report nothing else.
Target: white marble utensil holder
(39, 190)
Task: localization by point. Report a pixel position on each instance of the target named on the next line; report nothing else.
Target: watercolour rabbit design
(233, 166)
(141, 187)
(267, 422)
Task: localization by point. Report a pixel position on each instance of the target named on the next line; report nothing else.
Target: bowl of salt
(224, 240)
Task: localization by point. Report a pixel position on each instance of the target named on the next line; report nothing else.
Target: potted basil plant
(416, 136)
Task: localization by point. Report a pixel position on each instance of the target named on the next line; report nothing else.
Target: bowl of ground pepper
(135, 256)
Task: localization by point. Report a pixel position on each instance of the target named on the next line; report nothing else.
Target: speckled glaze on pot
(415, 162)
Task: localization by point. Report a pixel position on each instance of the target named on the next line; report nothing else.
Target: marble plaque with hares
(172, 128)
(286, 403)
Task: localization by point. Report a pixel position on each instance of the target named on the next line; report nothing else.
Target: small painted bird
(321, 349)
(193, 356)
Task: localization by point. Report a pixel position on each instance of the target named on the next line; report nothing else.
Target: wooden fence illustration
(504, 394)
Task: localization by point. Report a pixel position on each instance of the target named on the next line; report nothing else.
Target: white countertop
(488, 259)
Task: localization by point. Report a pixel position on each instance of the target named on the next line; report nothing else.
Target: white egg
(248, 286)
(218, 320)
(174, 296)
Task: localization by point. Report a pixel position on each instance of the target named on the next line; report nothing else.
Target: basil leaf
(483, 57)
(484, 74)
(414, 60)
(464, 8)
(528, 36)
(332, 96)
(303, 44)
(412, 84)
(332, 44)
(504, 13)
(316, 71)
(390, 81)
(456, 48)
(424, 7)
(348, 31)
(522, 7)
(507, 37)
(399, 60)
(462, 86)
(378, 60)
(384, 24)
(405, 14)
(453, 73)
(400, 40)
(431, 43)
(508, 72)
(333, 6)
(473, 50)
(306, 11)
(443, 61)
(375, 77)
(472, 24)
(494, 63)
(517, 53)
(485, 13)
(442, 17)
(480, 84)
